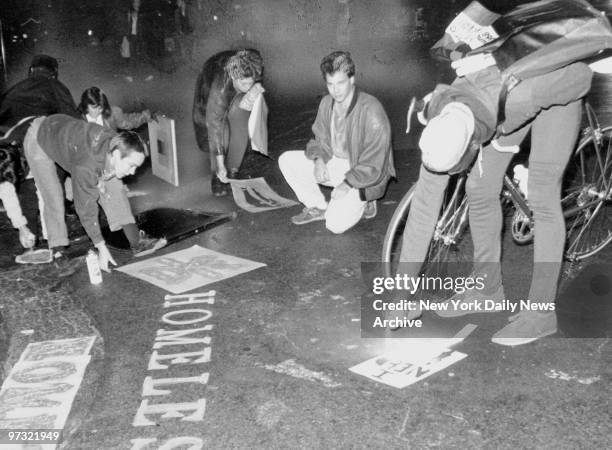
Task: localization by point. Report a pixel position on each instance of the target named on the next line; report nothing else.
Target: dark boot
(218, 188)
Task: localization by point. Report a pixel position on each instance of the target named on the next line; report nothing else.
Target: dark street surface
(269, 368)
(304, 307)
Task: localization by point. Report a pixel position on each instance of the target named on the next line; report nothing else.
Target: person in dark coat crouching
(225, 93)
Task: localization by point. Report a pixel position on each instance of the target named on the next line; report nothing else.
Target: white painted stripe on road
(293, 369)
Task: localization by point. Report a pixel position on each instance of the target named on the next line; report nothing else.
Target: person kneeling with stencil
(94, 156)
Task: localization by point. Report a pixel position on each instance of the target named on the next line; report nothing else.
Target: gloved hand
(104, 257)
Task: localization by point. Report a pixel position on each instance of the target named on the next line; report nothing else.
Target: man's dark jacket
(38, 95)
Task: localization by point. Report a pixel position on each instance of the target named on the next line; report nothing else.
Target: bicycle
(586, 204)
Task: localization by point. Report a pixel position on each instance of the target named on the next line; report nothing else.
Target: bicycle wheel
(587, 196)
(447, 244)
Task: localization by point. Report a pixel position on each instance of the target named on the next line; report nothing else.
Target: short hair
(94, 96)
(245, 63)
(128, 142)
(339, 61)
(44, 65)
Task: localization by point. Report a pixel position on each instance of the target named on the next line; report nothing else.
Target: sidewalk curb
(38, 305)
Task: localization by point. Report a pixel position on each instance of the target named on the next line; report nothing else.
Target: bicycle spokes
(587, 196)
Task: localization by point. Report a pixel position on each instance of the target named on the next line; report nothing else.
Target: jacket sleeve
(9, 198)
(126, 121)
(200, 98)
(216, 114)
(320, 146)
(376, 145)
(86, 194)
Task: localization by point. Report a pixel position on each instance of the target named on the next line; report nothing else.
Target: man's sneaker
(526, 327)
(39, 256)
(370, 210)
(147, 245)
(308, 215)
(471, 301)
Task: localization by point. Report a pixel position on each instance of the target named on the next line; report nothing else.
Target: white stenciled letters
(202, 356)
(189, 299)
(150, 384)
(170, 411)
(200, 316)
(176, 337)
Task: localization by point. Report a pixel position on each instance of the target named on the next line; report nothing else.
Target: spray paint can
(93, 267)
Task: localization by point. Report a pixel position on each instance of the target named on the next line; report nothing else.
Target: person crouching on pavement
(225, 94)
(94, 156)
(351, 152)
(95, 108)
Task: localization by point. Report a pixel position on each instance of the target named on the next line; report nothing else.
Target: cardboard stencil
(188, 269)
(38, 392)
(162, 138)
(256, 195)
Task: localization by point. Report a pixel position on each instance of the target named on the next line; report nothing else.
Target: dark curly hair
(245, 64)
(339, 61)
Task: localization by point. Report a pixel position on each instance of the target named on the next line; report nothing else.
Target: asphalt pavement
(263, 361)
(267, 364)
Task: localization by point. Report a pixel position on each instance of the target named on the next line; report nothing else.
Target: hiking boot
(218, 188)
(526, 327)
(472, 301)
(370, 210)
(308, 215)
(147, 245)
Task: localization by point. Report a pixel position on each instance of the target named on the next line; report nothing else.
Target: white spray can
(93, 267)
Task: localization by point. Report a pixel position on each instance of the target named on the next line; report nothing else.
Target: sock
(59, 251)
(132, 233)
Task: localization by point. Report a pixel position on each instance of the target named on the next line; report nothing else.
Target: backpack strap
(509, 82)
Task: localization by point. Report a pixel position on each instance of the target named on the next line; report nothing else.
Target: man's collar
(353, 101)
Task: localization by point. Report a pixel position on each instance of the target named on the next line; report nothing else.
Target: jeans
(551, 148)
(555, 103)
(114, 201)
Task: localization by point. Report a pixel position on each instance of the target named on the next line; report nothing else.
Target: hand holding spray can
(93, 267)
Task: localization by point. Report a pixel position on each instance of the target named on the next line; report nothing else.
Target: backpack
(541, 37)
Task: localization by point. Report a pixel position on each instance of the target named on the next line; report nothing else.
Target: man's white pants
(341, 213)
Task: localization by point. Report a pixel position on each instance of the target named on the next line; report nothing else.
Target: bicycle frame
(583, 203)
